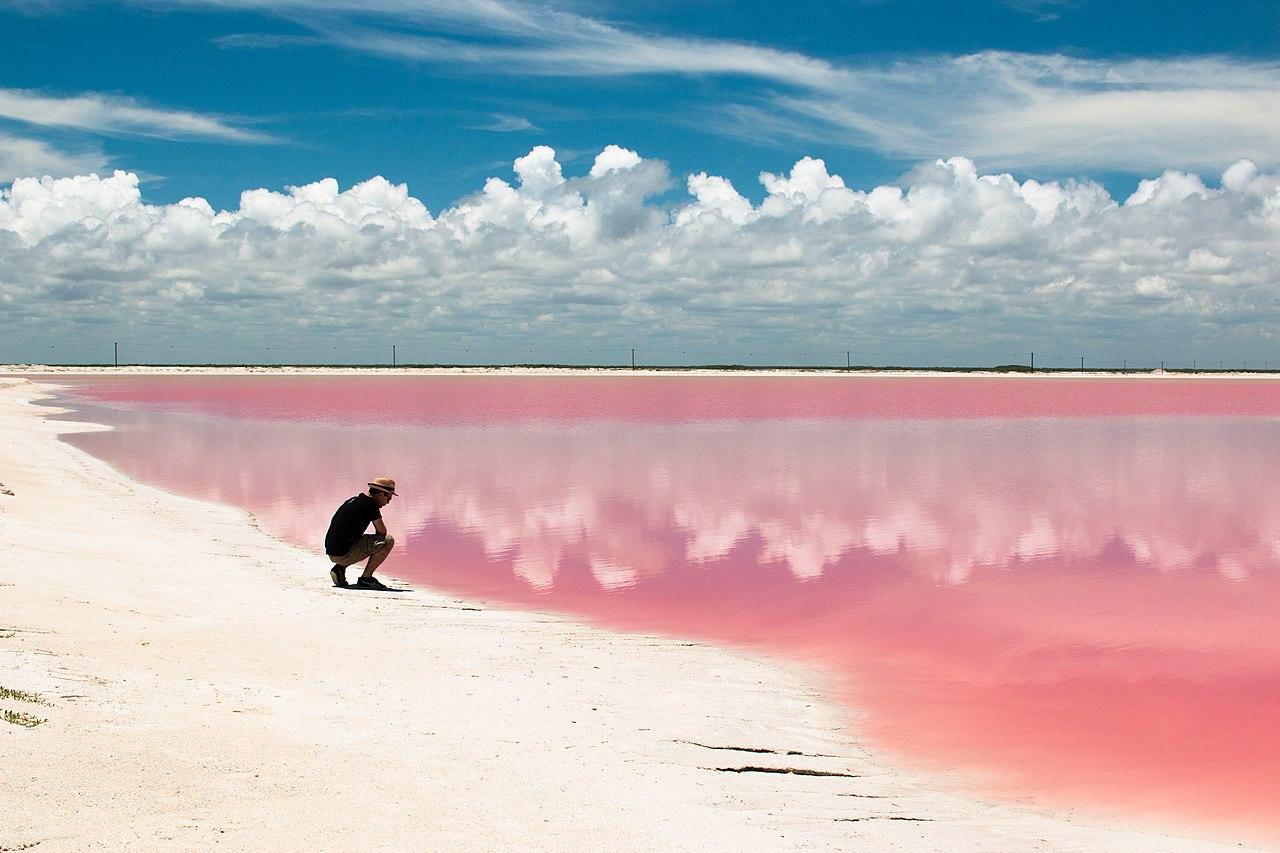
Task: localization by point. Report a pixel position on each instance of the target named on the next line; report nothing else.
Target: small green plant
(27, 721)
(22, 696)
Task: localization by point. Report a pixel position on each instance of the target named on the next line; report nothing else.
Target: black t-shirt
(349, 524)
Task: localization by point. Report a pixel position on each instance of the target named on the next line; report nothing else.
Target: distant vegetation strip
(745, 368)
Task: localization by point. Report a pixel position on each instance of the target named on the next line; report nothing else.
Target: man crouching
(347, 543)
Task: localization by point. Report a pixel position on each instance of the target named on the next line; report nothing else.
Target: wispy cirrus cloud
(1042, 10)
(119, 115)
(1011, 110)
(502, 123)
(578, 51)
(252, 41)
(524, 37)
(1005, 110)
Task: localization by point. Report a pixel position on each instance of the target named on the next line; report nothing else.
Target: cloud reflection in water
(1075, 609)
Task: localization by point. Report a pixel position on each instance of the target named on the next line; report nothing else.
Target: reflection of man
(347, 543)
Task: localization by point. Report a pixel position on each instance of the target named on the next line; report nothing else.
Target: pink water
(1064, 589)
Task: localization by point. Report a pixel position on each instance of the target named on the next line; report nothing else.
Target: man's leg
(361, 550)
(376, 558)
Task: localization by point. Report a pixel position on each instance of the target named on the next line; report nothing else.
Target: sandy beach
(201, 684)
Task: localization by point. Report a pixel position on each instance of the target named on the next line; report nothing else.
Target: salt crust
(833, 372)
(208, 686)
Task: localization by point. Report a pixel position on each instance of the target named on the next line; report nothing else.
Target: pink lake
(1066, 590)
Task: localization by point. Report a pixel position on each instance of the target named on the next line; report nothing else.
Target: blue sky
(211, 98)
(336, 111)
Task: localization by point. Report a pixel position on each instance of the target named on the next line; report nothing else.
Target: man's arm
(380, 526)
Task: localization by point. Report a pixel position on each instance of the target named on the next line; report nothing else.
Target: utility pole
(1033, 361)
(1082, 362)
(848, 358)
(116, 347)
(633, 358)
(393, 355)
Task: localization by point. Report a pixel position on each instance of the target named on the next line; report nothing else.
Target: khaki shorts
(364, 547)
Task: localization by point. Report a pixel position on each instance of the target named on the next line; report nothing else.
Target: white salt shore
(833, 372)
(206, 686)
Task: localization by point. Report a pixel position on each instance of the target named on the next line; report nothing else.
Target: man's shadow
(354, 588)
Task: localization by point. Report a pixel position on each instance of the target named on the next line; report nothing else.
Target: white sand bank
(231, 370)
(208, 687)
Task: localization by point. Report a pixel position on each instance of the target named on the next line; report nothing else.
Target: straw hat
(383, 484)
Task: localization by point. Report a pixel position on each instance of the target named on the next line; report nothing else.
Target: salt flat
(206, 686)
(616, 370)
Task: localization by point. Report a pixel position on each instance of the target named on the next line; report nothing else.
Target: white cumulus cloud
(949, 258)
